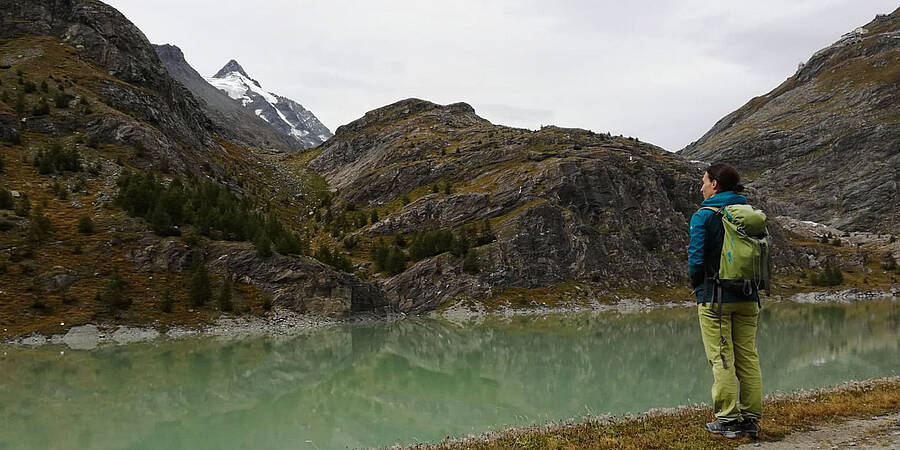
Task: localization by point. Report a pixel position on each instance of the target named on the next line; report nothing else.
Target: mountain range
(130, 182)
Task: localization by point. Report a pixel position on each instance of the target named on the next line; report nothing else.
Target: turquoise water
(376, 384)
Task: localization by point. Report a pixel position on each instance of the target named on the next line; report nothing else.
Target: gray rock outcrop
(566, 204)
(300, 284)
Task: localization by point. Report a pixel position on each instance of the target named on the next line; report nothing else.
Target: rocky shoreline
(282, 321)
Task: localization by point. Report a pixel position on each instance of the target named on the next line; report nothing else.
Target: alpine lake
(414, 380)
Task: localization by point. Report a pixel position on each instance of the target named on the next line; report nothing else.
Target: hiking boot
(749, 428)
(730, 429)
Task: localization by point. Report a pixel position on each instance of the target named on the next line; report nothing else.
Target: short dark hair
(728, 177)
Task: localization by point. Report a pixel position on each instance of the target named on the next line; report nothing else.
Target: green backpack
(746, 260)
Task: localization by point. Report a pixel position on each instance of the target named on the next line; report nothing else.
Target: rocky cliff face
(233, 120)
(303, 285)
(283, 114)
(825, 145)
(568, 205)
(137, 82)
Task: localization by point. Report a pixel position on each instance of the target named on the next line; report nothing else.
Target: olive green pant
(737, 386)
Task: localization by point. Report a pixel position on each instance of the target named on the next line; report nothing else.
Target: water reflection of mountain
(380, 383)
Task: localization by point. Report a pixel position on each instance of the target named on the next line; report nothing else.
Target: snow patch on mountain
(282, 113)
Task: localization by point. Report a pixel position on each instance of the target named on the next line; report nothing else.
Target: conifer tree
(200, 291)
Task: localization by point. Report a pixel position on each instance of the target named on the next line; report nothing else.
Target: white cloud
(663, 71)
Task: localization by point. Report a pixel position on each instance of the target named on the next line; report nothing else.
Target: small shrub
(200, 291)
(93, 141)
(21, 253)
(29, 87)
(39, 304)
(192, 239)
(44, 86)
(486, 233)
(167, 301)
(373, 218)
(42, 108)
(225, 303)
(267, 304)
(60, 191)
(85, 225)
(888, 262)
(405, 199)
(829, 276)
(350, 242)
(262, 244)
(6, 199)
(334, 258)
(161, 221)
(20, 103)
(430, 243)
(836, 242)
(62, 100)
(390, 260)
(115, 296)
(56, 159)
(23, 207)
(39, 227)
(470, 263)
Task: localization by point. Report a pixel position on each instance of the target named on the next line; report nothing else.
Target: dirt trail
(881, 432)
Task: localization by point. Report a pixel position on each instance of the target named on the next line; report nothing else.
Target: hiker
(728, 308)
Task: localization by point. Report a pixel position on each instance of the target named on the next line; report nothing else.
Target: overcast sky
(664, 71)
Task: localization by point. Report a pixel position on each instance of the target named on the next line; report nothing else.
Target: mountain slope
(233, 120)
(569, 209)
(116, 189)
(825, 144)
(283, 114)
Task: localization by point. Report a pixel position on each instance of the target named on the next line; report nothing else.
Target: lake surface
(375, 384)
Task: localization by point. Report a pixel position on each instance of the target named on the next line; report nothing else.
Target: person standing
(728, 328)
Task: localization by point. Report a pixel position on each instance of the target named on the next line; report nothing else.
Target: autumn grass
(683, 427)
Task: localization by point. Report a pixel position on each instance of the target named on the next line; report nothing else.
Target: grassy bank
(682, 428)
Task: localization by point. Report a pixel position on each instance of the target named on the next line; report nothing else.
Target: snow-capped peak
(237, 83)
(282, 113)
(231, 66)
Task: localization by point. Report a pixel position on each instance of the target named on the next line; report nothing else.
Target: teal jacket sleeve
(696, 247)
